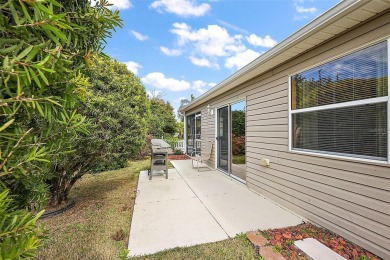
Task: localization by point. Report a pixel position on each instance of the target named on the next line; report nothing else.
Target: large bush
(44, 48)
(162, 119)
(20, 236)
(117, 111)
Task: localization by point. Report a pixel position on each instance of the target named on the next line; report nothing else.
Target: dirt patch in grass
(234, 248)
(178, 157)
(283, 239)
(97, 227)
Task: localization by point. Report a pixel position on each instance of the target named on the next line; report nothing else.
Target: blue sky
(184, 47)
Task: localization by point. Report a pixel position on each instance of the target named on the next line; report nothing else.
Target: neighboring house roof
(341, 17)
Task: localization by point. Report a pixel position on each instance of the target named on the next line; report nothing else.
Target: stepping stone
(316, 250)
(268, 254)
(256, 238)
(260, 242)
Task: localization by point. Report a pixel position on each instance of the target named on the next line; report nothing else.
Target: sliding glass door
(231, 140)
(194, 123)
(223, 139)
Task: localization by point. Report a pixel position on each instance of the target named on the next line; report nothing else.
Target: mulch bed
(282, 240)
(178, 157)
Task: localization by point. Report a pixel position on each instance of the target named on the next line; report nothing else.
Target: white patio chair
(205, 155)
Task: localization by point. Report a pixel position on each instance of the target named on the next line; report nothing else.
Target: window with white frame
(341, 107)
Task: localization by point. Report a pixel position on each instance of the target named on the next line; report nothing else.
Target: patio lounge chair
(205, 155)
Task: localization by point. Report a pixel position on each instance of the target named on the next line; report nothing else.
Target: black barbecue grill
(159, 157)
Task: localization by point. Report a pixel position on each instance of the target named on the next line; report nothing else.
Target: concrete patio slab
(244, 211)
(168, 224)
(158, 176)
(160, 191)
(214, 185)
(185, 169)
(194, 207)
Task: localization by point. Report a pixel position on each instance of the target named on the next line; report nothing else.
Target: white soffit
(341, 17)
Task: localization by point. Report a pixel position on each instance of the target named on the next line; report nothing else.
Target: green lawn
(98, 226)
(238, 159)
(235, 248)
(102, 215)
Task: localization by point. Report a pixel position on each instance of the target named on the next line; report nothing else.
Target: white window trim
(185, 127)
(341, 105)
(388, 101)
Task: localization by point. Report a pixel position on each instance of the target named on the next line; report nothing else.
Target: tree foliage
(117, 111)
(238, 122)
(238, 132)
(44, 48)
(184, 102)
(20, 236)
(162, 120)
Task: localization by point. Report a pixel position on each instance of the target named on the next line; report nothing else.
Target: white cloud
(241, 59)
(133, 66)
(213, 41)
(139, 36)
(199, 85)
(302, 10)
(117, 4)
(266, 42)
(181, 7)
(202, 86)
(207, 46)
(170, 52)
(158, 80)
(202, 62)
(232, 26)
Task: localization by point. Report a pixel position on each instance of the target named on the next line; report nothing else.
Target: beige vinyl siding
(208, 133)
(349, 197)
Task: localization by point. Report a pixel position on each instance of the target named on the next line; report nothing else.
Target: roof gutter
(305, 32)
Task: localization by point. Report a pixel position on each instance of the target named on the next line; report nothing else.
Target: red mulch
(178, 157)
(282, 240)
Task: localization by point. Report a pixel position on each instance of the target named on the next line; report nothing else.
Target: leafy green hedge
(171, 140)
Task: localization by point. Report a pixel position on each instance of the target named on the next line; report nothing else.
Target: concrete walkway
(194, 207)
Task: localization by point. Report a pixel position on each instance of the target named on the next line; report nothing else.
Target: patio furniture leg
(198, 164)
(150, 175)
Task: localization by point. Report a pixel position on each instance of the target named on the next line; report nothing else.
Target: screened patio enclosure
(193, 132)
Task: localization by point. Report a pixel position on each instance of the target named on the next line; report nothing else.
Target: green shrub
(117, 111)
(20, 236)
(45, 47)
(178, 152)
(171, 140)
(162, 120)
